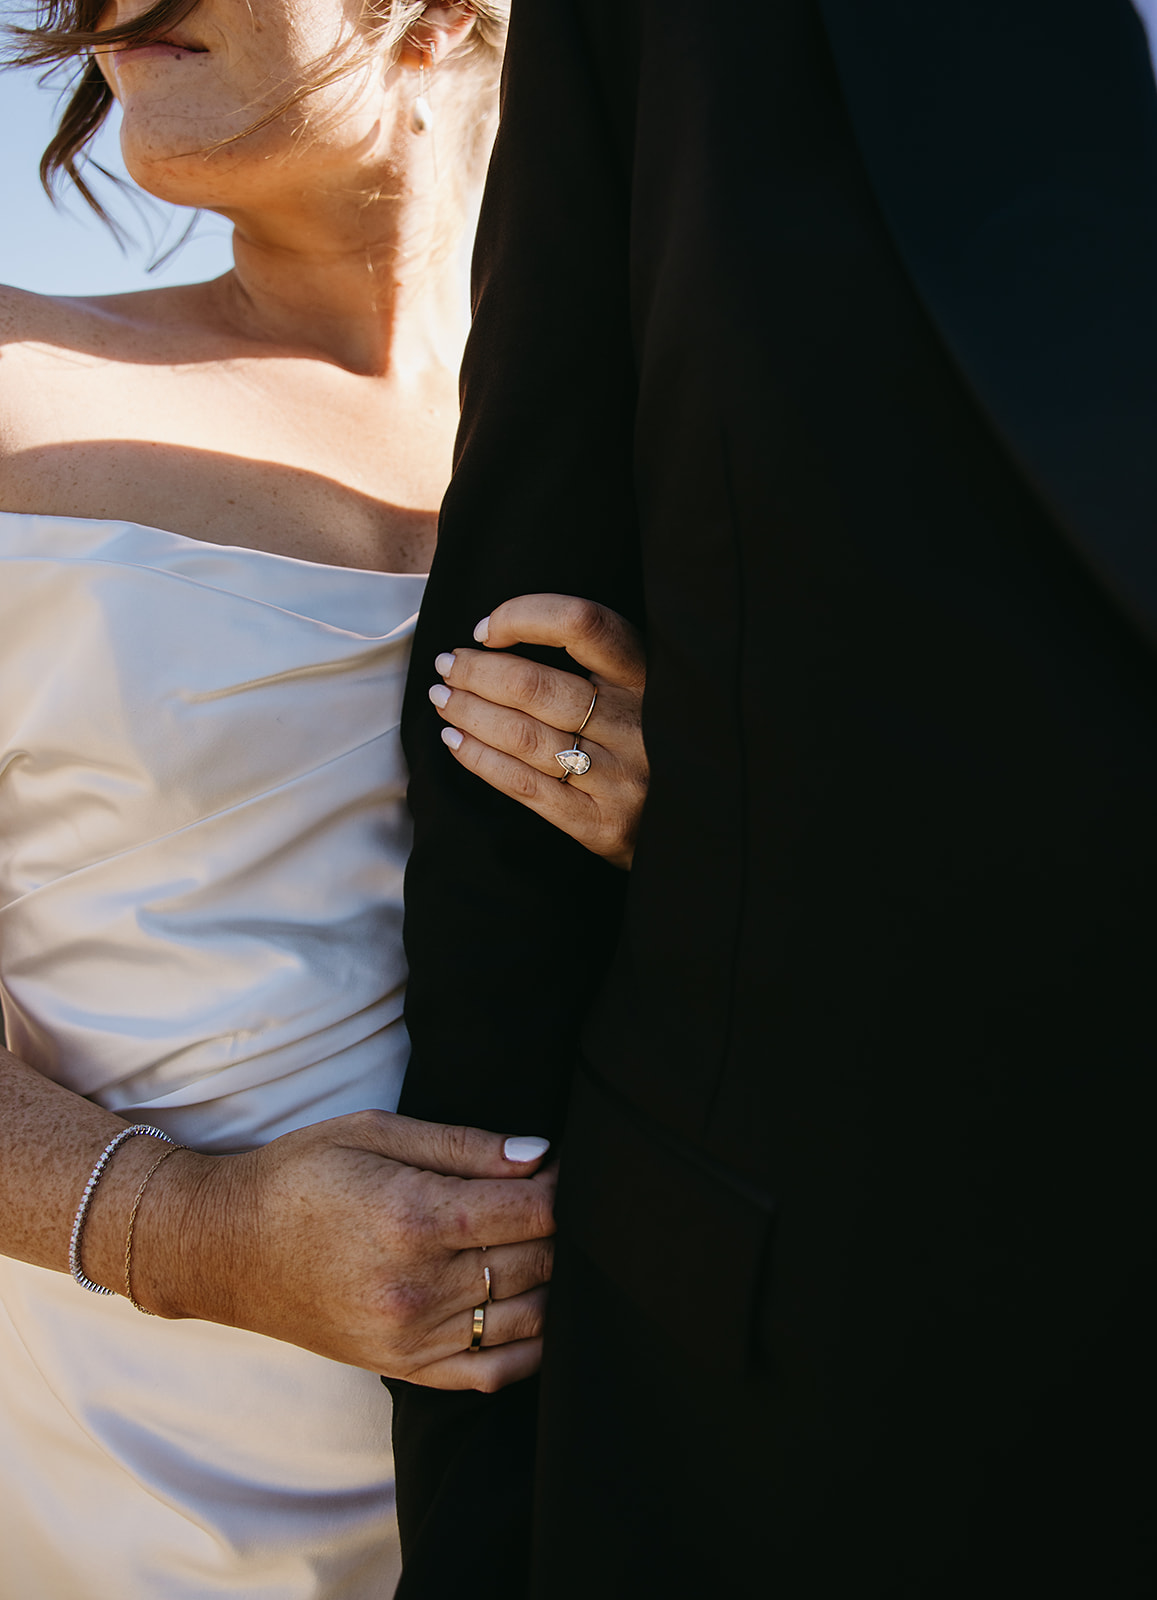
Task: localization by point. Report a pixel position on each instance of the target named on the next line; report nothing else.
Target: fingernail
(525, 1147)
(482, 631)
(440, 695)
(452, 737)
(444, 663)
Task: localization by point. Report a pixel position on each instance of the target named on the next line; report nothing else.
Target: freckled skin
(304, 403)
(281, 452)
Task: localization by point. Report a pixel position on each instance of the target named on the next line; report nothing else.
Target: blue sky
(65, 250)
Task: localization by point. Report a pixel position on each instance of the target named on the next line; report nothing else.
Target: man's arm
(509, 923)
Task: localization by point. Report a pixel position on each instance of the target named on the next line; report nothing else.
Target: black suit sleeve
(510, 923)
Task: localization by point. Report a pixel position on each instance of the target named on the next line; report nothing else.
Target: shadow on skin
(220, 499)
(77, 330)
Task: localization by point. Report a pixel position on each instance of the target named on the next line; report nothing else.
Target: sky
(65, 249)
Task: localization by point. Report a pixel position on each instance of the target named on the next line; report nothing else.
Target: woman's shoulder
(32, 326)
(28, 318)
(97, 325)
(24, 316)
(28, 322)
(19, 307)
(47, 344)
(39, 323)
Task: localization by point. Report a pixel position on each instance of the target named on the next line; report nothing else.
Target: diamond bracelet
(96, 1175)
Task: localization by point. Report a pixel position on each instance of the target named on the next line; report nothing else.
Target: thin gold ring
(590, 713)
(575, 763)
(486, 1275)
(476, 1330)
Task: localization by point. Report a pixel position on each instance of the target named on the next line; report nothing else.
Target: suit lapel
(1012, 145)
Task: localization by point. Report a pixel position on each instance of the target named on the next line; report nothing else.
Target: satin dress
(202, 841)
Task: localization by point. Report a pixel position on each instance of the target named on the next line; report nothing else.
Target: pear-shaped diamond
(576, 762)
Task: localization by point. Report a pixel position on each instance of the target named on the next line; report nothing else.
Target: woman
(216, 507)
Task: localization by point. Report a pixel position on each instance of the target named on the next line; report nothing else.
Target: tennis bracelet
(97, 1174)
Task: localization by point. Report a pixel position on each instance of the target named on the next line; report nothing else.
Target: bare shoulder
(100, 326)
(52, 348)
(28, 323)
(80, 376)
(57, 351)
(33, 325)
(24, 315)
(87, 324)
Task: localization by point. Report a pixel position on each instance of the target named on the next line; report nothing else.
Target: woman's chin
(180, 178)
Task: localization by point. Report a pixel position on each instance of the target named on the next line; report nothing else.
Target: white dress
(202, 840)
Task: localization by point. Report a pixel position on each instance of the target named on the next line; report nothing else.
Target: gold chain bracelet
(129, 1296)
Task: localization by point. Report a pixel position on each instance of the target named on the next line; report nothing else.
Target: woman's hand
(510, 718)
(362, 1239)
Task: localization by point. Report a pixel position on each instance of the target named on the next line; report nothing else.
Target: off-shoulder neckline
(210, 545)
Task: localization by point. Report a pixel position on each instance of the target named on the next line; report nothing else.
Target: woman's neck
(372, 287)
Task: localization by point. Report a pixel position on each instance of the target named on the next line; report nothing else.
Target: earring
(421, 116)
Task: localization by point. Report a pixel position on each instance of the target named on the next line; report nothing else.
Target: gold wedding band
(486, 1275)
(476, 1331)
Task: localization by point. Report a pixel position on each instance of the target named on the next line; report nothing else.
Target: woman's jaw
(339, 215)
(223, 103)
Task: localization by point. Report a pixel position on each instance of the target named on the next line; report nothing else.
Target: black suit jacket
(821, 338)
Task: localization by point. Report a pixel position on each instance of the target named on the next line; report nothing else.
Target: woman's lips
(156, 49)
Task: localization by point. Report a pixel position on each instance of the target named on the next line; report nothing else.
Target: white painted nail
(440, 695)
(444, 663)
(525, 1147)
(482, 631)
(452, 737)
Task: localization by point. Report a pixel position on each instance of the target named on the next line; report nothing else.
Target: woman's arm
(358, 1238)
(514, 717)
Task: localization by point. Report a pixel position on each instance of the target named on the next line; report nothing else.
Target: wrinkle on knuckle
(540, 1219)
(461, 673)
(456, 1144)
(526, 681)
(471, 754)
(523, 739)
(524, 783)
(528, 1322)
(585, 619)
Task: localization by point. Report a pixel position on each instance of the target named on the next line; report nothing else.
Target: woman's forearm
(357, 1238)
(50, 1140)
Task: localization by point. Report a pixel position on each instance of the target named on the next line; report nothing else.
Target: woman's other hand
(362, 1239)
(510, 718)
